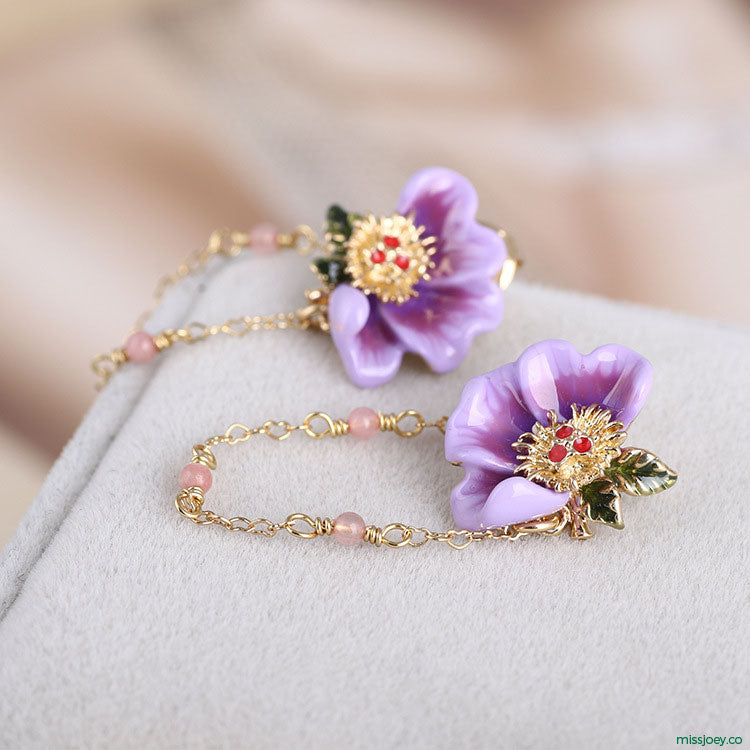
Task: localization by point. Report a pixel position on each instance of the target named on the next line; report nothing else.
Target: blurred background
(611, 138)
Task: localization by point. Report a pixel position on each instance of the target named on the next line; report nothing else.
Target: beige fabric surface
(124, 625)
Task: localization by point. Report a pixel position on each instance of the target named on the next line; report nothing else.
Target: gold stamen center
(568, 455)
(387, 256)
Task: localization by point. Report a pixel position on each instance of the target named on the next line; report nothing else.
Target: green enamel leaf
(603, 503)
(639, 472)
(331, 270)
(338, 227)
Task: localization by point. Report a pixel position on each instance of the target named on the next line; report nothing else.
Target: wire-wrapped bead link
(377, 536)
(373, 535)
(387, 421)
(323, 526)
(229, 243)
(393, 423)
(334, 427)
(164, 340)
(189, 501)
(203, 455)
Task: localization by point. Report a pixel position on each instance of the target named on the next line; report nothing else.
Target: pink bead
(196, 475)
(140, 347)
(263, 238)
(363, 423)
(349, 529)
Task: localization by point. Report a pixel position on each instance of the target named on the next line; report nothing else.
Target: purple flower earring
(544, 435)
(540, 440)
(424, 280)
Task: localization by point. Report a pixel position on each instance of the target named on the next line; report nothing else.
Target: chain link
(229, 244)
(317, 425)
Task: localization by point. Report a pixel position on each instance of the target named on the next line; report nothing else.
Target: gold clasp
(315, 314)
(548, 525)
(512, 262)
(508, 272)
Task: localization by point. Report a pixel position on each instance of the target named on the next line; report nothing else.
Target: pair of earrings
(538, 438)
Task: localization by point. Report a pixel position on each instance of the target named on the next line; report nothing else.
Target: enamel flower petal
(516, 500)
(554, 375)
(545, 434)
(443, 322)
(430, 274)
(369, 351)
(445, 203)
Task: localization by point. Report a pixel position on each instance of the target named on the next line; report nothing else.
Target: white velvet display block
(125, 625)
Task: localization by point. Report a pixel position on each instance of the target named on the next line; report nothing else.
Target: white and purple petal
(370, 352)
(470, 496)
(553, 375)
(440, 324)
(489, 418)
(480, 434)
(497, 408)
(445, 203)
(517, 500)
(442, 200)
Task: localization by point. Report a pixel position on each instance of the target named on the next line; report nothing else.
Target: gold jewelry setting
(385, 260)
(590, 478)
(329, 268)
(388, 256)
(347, 528)
(565, 456)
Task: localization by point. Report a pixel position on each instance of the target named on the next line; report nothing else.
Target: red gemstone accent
(402, 262)
(557, 453)
(582, 445)
(564, 432)
(391, 242)
(377, 256)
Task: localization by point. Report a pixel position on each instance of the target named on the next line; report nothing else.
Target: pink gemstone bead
(263, 238)
(196, 475)
(140, 347)
(363, 423)
(348, 529)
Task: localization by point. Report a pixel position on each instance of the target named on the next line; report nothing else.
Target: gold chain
(229, 244)
(317, 425)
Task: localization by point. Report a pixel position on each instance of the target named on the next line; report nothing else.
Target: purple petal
(517, 500)
(441, 199)
(463, 257)
(553, 375)
(445, 202)
(470, 495)
(370, 352)
(440, 324)
(489, 418)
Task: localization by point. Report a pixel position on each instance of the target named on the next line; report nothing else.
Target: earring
(544, 435)
(540, 440)
(426, 279)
